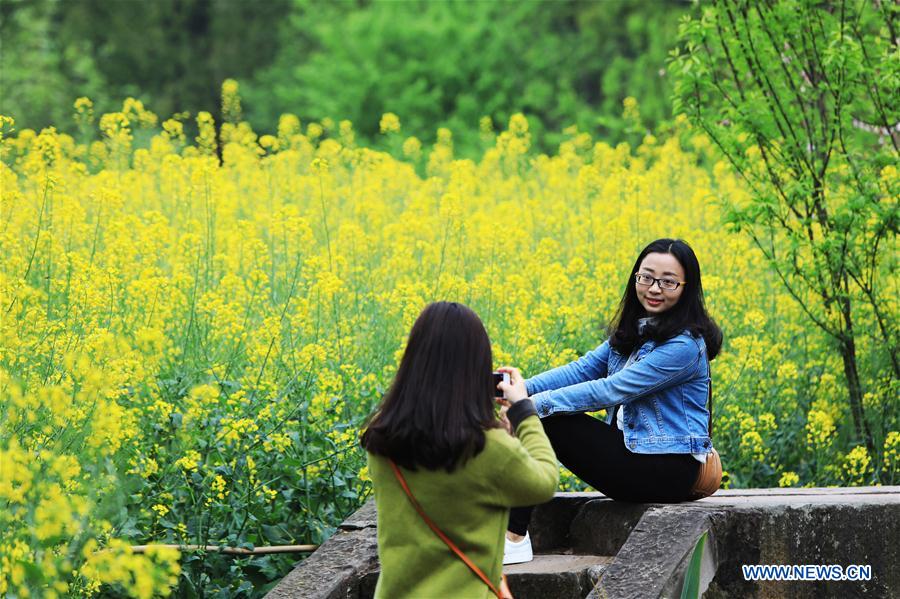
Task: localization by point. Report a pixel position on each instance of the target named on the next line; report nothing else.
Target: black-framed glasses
(666, 284)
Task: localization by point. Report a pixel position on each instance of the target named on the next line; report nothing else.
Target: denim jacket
(662, 394)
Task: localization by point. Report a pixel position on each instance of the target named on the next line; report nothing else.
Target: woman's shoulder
(684, 345)
(688, 338)
(496, 441)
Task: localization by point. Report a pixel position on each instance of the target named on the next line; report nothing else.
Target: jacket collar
(644, 325)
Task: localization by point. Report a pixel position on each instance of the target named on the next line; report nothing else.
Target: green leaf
(691, 588)
(275, 534)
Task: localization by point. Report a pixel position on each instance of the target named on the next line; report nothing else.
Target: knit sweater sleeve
(530, 474)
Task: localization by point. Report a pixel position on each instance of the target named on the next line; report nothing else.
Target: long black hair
(442, 399)
(688, 313)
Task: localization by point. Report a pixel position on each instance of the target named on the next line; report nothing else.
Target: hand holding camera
(510, 384)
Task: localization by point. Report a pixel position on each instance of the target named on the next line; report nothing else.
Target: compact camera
(498, 378)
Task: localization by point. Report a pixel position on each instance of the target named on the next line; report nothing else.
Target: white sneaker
(517, 553)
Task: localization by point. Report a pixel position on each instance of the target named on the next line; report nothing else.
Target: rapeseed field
(194, 327)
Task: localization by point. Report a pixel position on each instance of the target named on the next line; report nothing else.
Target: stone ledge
(652, 543)
(556, 575)
(557, 562)
(733, 497)
(334, 569)
(364, 517)
(840, 526)
(652, 560)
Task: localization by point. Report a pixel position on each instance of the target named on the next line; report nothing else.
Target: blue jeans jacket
(663, 393)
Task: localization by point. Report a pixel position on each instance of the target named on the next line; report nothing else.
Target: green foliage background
(432, 63)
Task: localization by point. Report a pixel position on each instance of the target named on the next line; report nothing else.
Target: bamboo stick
(233, 550)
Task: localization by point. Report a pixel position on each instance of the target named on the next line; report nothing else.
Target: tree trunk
(848, 353)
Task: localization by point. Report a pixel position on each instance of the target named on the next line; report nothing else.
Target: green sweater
(470, 505)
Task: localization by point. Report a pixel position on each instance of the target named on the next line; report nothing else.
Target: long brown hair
(442, 399)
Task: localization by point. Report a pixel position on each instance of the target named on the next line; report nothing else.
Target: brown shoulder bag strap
(440, 533)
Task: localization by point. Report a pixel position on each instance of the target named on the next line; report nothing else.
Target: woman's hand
(514, 390)
(504, 420)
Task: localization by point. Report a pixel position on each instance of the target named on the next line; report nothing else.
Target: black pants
(595, 452)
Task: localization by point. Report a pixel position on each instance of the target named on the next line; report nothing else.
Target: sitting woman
(444, 468)
(652, 377)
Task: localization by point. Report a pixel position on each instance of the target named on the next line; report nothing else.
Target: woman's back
(438, 421)
(470, 505)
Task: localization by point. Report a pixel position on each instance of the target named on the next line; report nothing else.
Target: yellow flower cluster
(892, 451)
(390, 123)
(231, 101)
(857, 466)
(752, 444)
(788, 479)
(819, 429)
(190, 461)
(220, 487)
(144, 576)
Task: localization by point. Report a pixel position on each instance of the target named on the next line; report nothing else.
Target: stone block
(334, 570)
(602, 526)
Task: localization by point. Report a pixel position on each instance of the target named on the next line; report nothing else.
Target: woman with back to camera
(652, 377)
(436, 433)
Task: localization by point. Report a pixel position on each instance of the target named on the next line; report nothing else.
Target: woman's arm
(590, 366)
(530, 475)
(670, 363)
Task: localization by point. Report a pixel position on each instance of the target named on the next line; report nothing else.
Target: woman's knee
(575, 438)
(553, 424)
(576, 428)
(564, 431)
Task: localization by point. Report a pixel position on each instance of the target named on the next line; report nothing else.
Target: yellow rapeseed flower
(788, 479)
(857, 466)
(819, 429)
(390, 123)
